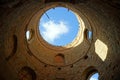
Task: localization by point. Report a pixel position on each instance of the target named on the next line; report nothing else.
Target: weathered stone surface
(101, 54)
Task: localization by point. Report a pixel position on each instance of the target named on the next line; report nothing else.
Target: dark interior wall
(104, 19)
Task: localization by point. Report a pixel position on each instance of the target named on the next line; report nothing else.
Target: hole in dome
(94, 76)
(85, 57)
(45, 65)
(59, 26)
(71, 66)
(59, 68)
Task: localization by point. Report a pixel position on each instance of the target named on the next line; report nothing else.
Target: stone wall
(101, 54)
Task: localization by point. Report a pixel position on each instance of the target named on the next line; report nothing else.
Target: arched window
(59, 59)
(94, 76)
(26, 73)
(88, 34)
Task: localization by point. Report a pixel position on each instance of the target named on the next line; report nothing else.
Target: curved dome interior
(25, 55)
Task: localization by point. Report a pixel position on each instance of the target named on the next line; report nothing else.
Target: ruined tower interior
(35, 59)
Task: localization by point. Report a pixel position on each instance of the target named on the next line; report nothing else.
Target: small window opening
(71, 66)
(85, 57)
(59, 68)
(94, 76)
(45, 65)
(89, 35)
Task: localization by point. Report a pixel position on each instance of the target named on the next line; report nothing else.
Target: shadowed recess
(26, 73)
(14, 48)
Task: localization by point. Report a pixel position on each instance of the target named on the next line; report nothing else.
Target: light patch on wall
(28, 35)
(101, 49)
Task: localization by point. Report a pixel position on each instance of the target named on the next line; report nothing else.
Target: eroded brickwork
(101, 54)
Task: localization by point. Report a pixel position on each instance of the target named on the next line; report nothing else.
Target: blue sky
(94, 76)
(90, 34)
(59, 26)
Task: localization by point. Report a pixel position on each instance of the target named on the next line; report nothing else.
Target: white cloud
(92, 78)
(52, 30)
